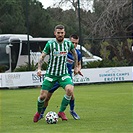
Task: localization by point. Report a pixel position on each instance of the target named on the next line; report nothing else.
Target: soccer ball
(51, 117)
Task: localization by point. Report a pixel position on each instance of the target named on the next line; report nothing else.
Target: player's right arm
(46, 51)
(40, 62)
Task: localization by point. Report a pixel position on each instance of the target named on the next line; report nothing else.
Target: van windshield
(4, 57)
(86, 54)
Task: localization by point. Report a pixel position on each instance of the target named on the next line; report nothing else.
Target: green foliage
(113, 63)
(99, 7)
(104, 52)
(25, 67)
(3, 68)
(116, 53)
(12, 17)
(40, 21)
(106, 63)
(67, 18)
(119, 50)
(129, 43)
(103, 108)
(44, 66)
(15, 13)
(33, 67)
(93, 64)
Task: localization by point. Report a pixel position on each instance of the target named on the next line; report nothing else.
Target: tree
(114, 18)
(73, 4)
(40, 22)
(67, 18)
(11, 17)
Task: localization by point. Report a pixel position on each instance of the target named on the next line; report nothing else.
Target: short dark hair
(74, 36)
(59, 27)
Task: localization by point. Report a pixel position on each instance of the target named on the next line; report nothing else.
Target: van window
(85, 54)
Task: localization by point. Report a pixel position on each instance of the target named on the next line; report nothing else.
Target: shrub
(3, 68)
(33, 67)
(93, 64)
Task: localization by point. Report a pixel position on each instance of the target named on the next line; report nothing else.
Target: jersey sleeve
(79, 55)
(47, 48)
(71, 45)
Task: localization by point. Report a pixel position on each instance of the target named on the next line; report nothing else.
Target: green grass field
(103, 108)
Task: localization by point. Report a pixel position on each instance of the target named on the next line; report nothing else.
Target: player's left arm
(79, 65)
(79, 68)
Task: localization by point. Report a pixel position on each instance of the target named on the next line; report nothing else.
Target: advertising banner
(114, 74)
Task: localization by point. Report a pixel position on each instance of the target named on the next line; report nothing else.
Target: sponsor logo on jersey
(60, 53)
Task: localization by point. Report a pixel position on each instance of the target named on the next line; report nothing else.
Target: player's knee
(43, 95)
(69, 90)
(48, 96)
(47, 99)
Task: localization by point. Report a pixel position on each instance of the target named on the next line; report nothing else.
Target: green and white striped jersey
(57, 56)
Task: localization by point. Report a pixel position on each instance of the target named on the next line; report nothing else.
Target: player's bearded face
(59, 34)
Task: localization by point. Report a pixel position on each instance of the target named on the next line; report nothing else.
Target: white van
(87, 56)
(15, 51)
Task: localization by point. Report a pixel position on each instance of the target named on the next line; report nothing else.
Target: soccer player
(57, 70)
(70, 62)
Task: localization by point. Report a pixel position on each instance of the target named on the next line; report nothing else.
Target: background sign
(114, 74)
